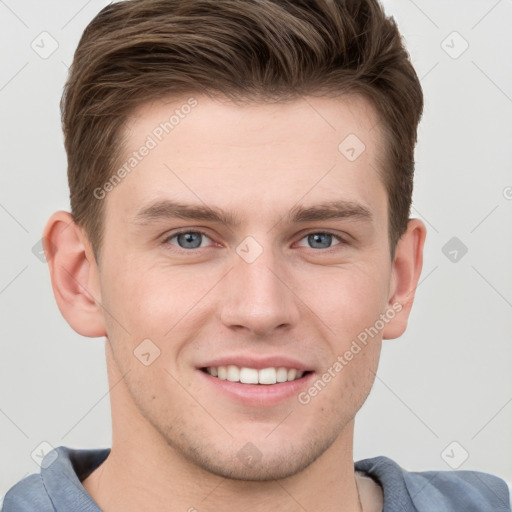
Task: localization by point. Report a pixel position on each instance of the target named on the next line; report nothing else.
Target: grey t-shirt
(58, 488)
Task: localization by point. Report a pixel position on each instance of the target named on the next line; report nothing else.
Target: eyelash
(327, 250)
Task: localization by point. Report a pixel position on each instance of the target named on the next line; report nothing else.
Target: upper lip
(257, 363)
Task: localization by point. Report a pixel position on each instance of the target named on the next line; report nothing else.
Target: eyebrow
(169, 209)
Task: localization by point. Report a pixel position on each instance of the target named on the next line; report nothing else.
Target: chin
(257, 461)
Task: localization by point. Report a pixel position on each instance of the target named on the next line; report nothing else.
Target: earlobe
(406, 272)
(74, 275)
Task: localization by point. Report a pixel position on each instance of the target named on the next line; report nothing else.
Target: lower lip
(259, 395)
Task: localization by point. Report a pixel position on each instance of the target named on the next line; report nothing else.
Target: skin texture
(176, 439)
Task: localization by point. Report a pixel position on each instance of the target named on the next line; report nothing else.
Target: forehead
(197, 149)
(254, 123)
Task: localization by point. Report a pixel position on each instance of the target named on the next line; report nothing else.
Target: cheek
(354, 374)
(153, 309)
(338, 401)
(351, 300)
(140, 295)
(351, 308)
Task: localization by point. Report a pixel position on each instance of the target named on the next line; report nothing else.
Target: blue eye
(195, 240)
(321, 240)
(188, 239)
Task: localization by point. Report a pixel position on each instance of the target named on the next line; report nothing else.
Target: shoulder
(28, 495)
(468, 490)
(58, 486)
(443, 491)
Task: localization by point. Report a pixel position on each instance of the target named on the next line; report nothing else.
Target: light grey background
(448, 379)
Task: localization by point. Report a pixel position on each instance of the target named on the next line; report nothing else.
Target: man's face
(272, 289)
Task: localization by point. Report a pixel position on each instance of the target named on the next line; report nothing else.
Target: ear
(74, 275)
(405, 273)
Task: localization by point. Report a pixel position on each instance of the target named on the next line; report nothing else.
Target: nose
(257, 296)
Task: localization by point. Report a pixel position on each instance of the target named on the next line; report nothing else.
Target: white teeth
(282, 375)
(233, 373)
(245, 375)
(292, 374)
(248, 375)
(267, 376)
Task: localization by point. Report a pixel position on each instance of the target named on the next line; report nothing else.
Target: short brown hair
(261, 50)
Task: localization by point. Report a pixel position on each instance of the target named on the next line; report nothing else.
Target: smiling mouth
(265, 376)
